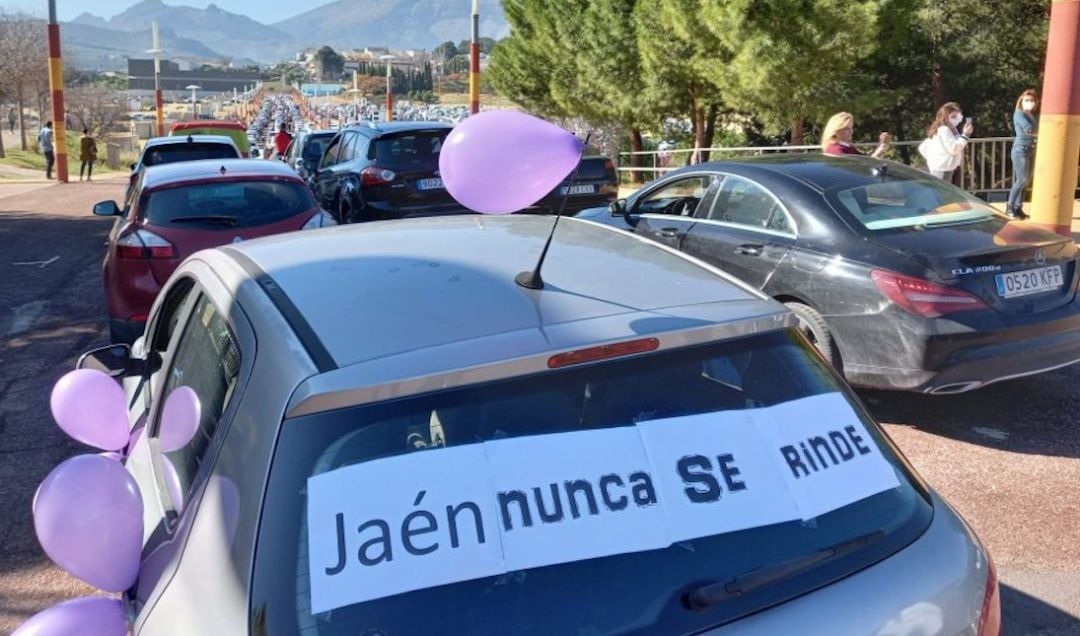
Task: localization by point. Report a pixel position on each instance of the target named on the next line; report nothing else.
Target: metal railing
(986, 170)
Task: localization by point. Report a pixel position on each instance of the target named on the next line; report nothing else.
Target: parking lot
(1007, 457)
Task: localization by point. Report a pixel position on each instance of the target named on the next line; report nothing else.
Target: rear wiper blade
(206, 218)
(712, 594)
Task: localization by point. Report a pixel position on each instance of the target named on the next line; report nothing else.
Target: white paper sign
(575, 496)
(436, 517)
(822, 451)
(369, 536)
(717, 470)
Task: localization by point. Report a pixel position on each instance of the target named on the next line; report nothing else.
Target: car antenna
(530, 279)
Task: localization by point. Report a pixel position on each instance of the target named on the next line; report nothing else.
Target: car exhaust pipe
(954, 388)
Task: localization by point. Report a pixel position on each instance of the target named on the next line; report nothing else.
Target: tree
(791, 60)
(446, 51)
(23, 62)
(96, 108)
(527, 65)
(331, 64)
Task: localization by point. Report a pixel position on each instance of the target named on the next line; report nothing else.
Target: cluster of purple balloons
(88, 512)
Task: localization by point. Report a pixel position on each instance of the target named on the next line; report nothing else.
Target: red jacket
(841, 149)
(282, 141)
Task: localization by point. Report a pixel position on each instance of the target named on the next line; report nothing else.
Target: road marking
(25, 315)
(995, 434)
(40, 264)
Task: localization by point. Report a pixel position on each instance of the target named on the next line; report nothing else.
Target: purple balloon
(87, 616)
(91, 408)
(88, 518)
(500, 161)
(179, 419)
(172, 484)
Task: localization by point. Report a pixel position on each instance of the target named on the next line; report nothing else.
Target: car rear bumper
(946, 357)
(935, 585)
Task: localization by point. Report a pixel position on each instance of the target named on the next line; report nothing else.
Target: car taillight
(609, 165)
(376, 176)
(990, 617)
(320, 219)
(144, 244)
(603, 352)
(922, 297)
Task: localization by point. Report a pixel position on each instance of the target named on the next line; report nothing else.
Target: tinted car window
(410, 150)
(680, 197)
(207, 360)
(226, 204)
(745, 203)
(330, 157)
(636, 592)
(892, 204)
(315, 146)
(171, 153)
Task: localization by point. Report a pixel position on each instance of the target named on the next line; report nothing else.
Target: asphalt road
(1008, 457)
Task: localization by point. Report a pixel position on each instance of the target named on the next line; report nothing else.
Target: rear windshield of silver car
(646, 591)
(193, 151)
(893, 204)
(225, 204)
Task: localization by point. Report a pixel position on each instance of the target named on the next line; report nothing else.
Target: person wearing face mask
(1022, 152)
(836, 138)
(944, 145)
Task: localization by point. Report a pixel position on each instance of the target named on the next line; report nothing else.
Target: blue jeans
(1021, 161)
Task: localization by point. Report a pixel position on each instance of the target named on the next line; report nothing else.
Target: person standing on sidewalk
(945, 141)
(1023, 152)
(87, 154)
(11, 119)
(836, 138)
(45, 143)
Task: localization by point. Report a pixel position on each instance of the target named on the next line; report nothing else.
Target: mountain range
(213, 33)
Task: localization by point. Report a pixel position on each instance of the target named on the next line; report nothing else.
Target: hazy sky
(265, 11)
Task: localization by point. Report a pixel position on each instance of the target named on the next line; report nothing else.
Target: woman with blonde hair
(944, 145)
(1022, 152)
(836, 138)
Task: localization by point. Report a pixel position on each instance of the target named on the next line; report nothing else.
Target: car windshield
(413, 150)
(226, 204)
(894, 204)
(171, 153)
(314, 147)
(586, 418)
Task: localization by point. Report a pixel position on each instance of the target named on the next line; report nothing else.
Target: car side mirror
(114, 360)
(622, 207)
(106, 208)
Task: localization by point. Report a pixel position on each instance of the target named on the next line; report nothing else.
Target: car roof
(209, 169)
(391, 290)
(377, 128)
(820, 172)
(208, 123)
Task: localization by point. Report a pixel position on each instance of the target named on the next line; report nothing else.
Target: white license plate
(577, 189)
(1029, 281)
(429, 184)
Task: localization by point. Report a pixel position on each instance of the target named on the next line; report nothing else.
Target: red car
(181, 208)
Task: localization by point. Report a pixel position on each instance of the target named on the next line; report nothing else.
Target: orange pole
(1058, 149)
(56, 88)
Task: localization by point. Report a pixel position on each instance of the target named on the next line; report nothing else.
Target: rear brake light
(609, 165)
(376, 176)
(990, 617)
(923, 298)
(144, 244)
(603, 352)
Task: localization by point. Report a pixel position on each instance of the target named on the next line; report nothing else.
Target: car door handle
(749, 249)
(668, 232)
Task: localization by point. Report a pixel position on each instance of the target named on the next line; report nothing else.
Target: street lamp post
(474, 60)
(56, 88)
(159, 106)
(194, 110)
(389, 90)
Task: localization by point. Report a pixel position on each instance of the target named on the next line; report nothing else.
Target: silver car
(395, 437)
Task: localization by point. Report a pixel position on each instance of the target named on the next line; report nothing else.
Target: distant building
(141, 77)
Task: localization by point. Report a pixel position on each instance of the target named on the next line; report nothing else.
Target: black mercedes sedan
(901, 280)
